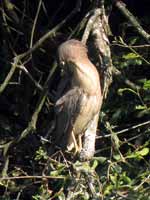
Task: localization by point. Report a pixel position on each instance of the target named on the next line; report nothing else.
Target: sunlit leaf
(140, 107)
(146, 85)
(143, 152)
(130, 56)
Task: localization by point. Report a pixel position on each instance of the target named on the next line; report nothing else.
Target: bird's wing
(63, 86)
(66, 109)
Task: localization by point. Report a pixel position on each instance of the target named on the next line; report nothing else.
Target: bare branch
(39, 43)
(35, 21)
(31, 177)
(89, 26)
(126, 129)
(122, 7)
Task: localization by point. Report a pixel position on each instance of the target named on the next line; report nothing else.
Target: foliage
(29, 167)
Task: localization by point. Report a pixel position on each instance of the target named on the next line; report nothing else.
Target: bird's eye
(63, 67)
(62, 63)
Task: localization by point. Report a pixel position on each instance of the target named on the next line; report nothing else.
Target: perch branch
(89, 25)
(103, 53)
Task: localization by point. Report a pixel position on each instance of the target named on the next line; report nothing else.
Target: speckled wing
(67, 109)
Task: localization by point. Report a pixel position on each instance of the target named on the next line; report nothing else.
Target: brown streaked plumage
(77, 109)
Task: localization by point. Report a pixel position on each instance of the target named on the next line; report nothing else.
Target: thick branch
(89, 25)
(103, 55)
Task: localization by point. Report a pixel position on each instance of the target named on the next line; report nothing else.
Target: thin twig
(38, 44)
(51, 32)
(32, 123)
(31, 177)
(134, 51)
(146, 179)
(79, 26)
(31, 77)
(126, 129)
(9, 75)
(122, 143)
(118, 74)
(131, 46)
(34, 23)
(122, 7)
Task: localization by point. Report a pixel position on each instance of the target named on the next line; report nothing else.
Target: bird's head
(74, 61)
(70, 53)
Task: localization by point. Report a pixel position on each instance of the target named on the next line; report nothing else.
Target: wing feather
(67, 109)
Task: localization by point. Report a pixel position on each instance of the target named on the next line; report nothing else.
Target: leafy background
(121, 166)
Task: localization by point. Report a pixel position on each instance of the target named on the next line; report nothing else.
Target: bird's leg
(75, 143)
(80, 142)
(72, 143)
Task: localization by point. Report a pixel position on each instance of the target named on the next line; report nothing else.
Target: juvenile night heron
(78, 106)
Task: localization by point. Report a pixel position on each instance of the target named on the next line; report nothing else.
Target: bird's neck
(86, 77)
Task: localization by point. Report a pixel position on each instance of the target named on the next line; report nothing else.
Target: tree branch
(39, 43)
(122, 7)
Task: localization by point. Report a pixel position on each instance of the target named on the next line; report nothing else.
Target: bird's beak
(62, 68)
(67, 68)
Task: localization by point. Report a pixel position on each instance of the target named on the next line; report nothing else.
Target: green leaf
(113, 178)
(117, 157)
(130, 56)
(146, 85)
(100, 159)
(108, 189)
(143, 152)
(140, 107)
(82, 166)
(139, 154)
(126, 179)
(94, 164)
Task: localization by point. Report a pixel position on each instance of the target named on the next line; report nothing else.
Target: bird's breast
(89, 107)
